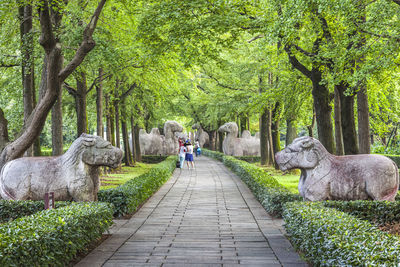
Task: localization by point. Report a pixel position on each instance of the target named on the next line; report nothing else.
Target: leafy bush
(268, 191)
(53, 237)
(12, 209)
(249, 159)
(128, 197)
(379, 212)
(153, 158)
(329, 237)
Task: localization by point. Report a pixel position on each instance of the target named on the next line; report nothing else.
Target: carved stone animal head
(172, 126)
(229, 127)
(96, 151)
(304, 153)
(196, 126)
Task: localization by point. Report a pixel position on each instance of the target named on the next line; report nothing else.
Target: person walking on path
(189, 155)
(182, 154)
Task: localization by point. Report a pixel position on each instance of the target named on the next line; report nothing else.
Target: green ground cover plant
(122, 176)
(53, 237)
(128, 197)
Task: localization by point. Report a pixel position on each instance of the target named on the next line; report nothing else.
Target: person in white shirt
(189, 155)
(182, 154)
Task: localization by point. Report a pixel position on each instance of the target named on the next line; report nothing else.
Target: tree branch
(86, 46)
(129, 91)
(256, 37)
(72, 91)
(296, 63)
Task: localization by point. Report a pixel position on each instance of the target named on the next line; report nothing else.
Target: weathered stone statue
(171, 140)
(152, 143)
(74, 175)
(234, 146)
(200, 135)
(325, 176)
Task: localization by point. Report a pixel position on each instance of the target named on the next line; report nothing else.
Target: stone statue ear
(307, 143)
(88, 141)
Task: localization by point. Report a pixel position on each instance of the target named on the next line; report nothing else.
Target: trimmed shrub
(377, 212)
(128, 197)
(268, 191)
(249, 159)
(12, 209)
(329, 237)
(153, 158)
(53, 237)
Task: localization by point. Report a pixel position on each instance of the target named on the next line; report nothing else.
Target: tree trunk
(133, 147)
(291, 132)
(275, 118)
(81, 96)
(271, 155)
(3, 130)
(363, 121)
(127, 150)
(55, 76)
(137, 144)
(108, 118)
(56, 127)
(323, 111)
(213, 139)
(25, 15)
(99, 104)
(220, 142)
(348, 122)
(264, 147)
(116, 108)
(338, 125)
(243, 123)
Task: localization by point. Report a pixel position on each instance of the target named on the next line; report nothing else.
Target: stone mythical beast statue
(234, 146)
(152, 143)
(171, 139)
(72, 176)
(325, 176)
(200, 135)
(156, 144)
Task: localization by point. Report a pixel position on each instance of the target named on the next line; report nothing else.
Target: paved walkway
(201, 217)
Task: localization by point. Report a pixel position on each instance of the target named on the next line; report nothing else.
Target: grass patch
(125, 174)
(289, 179)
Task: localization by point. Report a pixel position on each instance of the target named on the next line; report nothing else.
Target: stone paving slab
(201, 217)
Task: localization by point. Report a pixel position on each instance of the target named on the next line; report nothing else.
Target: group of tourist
(186, 150)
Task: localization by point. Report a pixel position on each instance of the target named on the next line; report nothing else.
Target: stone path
(201, 217)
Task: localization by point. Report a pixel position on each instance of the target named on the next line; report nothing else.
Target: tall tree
(55, 76)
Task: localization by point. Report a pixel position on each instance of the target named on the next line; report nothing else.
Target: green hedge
(249, 159)
(13, 209)
(153, 158)
(377, 212)
(329, 237)
(128, 197)
(53, 237)
(269, 192)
